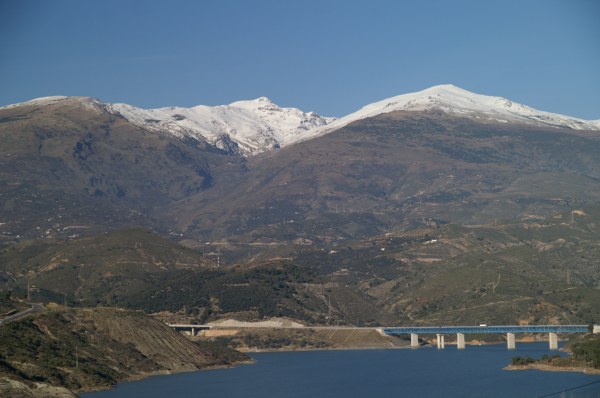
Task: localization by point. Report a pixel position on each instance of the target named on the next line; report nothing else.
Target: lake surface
(424, 372)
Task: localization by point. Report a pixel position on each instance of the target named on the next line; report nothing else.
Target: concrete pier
(553, 341)
(440, 342)
(414, 340)
(510, 341)
(460, 341)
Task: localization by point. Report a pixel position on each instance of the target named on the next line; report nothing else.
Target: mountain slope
(137, 269)
(84, 349)
(101, 269)
(399, 170)
(72, 166)
(68, 165)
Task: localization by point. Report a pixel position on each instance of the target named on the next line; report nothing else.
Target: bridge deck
(489, 329)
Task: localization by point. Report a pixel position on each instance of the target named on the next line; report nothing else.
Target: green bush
(588, 350)
(521, 361)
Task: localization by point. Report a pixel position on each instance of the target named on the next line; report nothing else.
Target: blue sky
(331, 57)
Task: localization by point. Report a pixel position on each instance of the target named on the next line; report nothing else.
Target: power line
(568, 389)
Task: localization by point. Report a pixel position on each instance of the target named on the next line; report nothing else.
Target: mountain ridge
(455, 100)
(250, 127)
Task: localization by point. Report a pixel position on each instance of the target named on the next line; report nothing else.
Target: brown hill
(397, 171)
(320, 204)
(95, 348)
(70, 167)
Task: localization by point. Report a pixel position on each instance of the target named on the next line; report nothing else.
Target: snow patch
(37, 101)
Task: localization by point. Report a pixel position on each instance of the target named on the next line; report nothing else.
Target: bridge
(439, 331)
(510, 331)
(193, 328)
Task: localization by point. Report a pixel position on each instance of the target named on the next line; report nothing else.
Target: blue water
(425, 372)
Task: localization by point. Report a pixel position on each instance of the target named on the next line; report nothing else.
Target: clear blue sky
(331, 57)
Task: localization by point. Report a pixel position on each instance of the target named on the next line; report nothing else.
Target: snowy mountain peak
(252, 126)
(455, 100)
(43, 101)
(263, 100)
(246, 127)
(260, 102)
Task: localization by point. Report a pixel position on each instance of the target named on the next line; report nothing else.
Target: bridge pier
(414, 340)
(510, 341)
(460, 341)
(440, 342)
(553, 341)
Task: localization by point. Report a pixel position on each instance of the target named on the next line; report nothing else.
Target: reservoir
(422, 373)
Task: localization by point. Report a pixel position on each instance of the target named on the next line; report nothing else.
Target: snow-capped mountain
(254, 126)
(245, 127)
(455, 100)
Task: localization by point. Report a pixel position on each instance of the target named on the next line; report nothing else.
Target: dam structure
(460, 331)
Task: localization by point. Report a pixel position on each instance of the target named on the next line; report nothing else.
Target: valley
(437, 207)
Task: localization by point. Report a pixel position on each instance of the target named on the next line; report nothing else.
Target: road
(34, 308)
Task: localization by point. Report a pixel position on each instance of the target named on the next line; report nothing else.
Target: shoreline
(540, 367)
(550, 368)
(139, 377)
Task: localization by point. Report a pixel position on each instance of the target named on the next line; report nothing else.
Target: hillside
(137, 269)
(73, 166)
(95, 270)
(439, 206)
(70, 167)
(529, 271)
(534, 271)
(95, 348)
(399, 171)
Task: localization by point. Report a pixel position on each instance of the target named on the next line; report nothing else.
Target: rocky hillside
(398, 171)
(74, 166)
(94, 348)
(71, 167)
(137, 269)
(536, 270)
(410, 212)
(104, 269)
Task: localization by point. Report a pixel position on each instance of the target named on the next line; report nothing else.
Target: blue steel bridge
(489, 329)
(510, 331)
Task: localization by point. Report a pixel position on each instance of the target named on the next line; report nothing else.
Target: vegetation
(90, 348)
(274, 341)
(496, 274)
(7, 304)
(588, 351)
(585, 353)
(34, 356)
(521, 361)
(219, 351)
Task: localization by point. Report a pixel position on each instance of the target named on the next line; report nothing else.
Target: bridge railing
(488, 329)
